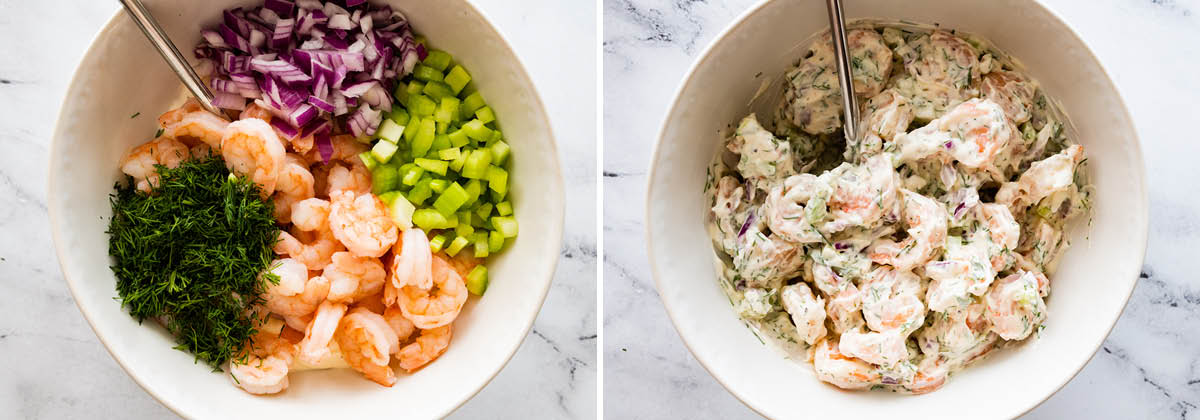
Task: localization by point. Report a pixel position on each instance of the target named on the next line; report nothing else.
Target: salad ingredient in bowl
(894, 260)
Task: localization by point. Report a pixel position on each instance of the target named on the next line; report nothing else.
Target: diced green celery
(450, 153)
(500, 152)
(401, 93)
(401, 211)
(383, 179)
(477, 163)
(464, 230)
(457, 164)
(414, 88)
(422, 106)
(454, 197)
(458, 138)
(399, 115)
(447, 111)
(496, 137)
(497, 196)
(504, 208)
(465, 214)
(428, 219)
(477, 280)
(368, 160)
(495, 241)
(436, 244)
(485, 114)
(442, 127)
(440, 141)
(388, 197)
(437, 59)
(427, 74)
(410, 130)
(424, 139)
(384, 150)
(497, 179)
(481, 245)
(484, 210)
(412, 175)
(437, 90)
(420, 192)
(434, 166)
(474, 187)
(390, 131)
(477, 131)
(457, 78)
(457, 245)
(507, 226)
(451, 222)
(467, 91)
(472, 103)
(480, 223)
(438, 185)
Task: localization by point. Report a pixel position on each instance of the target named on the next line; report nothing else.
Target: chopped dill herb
(135, 115)
(189, 254)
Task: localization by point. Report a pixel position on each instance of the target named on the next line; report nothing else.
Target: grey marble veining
(54, 366)
(1148, 368)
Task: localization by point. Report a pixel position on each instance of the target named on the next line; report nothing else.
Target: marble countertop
(1148, 368)
(54, 367)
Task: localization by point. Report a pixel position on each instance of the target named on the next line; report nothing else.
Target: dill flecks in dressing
(891, 262)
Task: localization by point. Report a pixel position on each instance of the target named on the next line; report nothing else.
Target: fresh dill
(189, 253)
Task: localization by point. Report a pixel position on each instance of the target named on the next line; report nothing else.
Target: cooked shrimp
(201, 151)
(141, 162)
(294, 178)
(361, 223)
(172, 117)
(264, 369)
(841, 370)
(1044, 177)
(292, 276)
(438, 306)
(887, 115)
(345, 148)
(412, 263)
(943, 59)
(250, 147)
(794, 207)
(812, 101)
(256, 111)
(729, 212)
(891, 301)
(428, 346)
(885, 349)
(767, 260)
(807, 311)
(356, 179)
(862, 194)
(1012, 91)
(366, 342)
(974, 133)
(927, 224)
(352, 277)
(400, 325)
(762, 155)
(315, 345)
(299, 304)
(1001, 236)
(199, 126)
(1014, 306)
(315, 249)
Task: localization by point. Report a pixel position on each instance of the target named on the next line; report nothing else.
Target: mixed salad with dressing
(892, 261)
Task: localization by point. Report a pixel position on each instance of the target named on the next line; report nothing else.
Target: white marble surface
(1148, 368)
(54, 367)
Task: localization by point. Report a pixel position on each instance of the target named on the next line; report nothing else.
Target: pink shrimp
(428, 346)
(438, 306)
(361, 223)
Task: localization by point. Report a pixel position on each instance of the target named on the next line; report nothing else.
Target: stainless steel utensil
(837, 27)
(167, 49)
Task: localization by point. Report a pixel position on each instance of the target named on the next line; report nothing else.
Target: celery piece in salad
(477, 131)
(496, 137)
(412, 175)
(437, 90)
(457, 245)
(384, 150)
(474, 188)
(457, 164)
(368, 160)
(481, 244)
(432, 166)
(428, 219)
(497, 180)
(449, 154)
(495, 241)
(422, 106)
(424, 138)
(477, 163)
(383, 179)
(485, 114)
(484, 210)
(458, 138)
(440, 141)
(399, 115)
(500, 152)
(427, 74)
(447, 111)
(389, 196)
(477, 280)
(436, 244)
(420, 192)
(472, 103)
(410, 130)
(391, 131)
(504, 208)
(452, 199)
(464, 230)
(401, 210)
(437, 59)
(497, 196)
(438, 185)
(507, 226)
(457, 78)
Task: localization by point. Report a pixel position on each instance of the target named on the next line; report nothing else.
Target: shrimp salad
(361, 278)
(892, 261)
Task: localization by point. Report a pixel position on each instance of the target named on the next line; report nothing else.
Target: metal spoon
(849, 103)
(171, 54)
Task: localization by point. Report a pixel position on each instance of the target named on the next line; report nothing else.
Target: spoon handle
(167, 49)
(849, 103)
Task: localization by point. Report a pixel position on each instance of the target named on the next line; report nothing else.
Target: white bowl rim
(52, 201)
(704, 56)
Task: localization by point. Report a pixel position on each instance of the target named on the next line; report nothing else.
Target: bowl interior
(122, 76)
(1089, 291)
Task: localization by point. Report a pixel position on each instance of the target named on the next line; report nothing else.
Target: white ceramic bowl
(1089, 291)
(121, 75)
